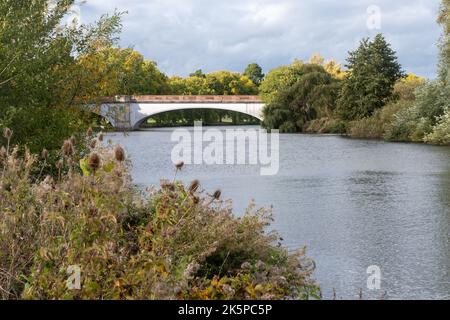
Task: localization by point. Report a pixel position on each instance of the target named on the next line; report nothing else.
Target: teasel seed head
(60, 164)
(94, 161)
(195, 200)
(7, 133)
(73, 140)
(119, 153)
(194, 186)
(167, 185)
(217, 194)
(45, 154)
(70, 162)
(93, 143)
(90, 132)
(67, 148)
(179, 165)
(100, 136)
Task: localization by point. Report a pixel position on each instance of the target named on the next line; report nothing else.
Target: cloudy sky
(185, 35)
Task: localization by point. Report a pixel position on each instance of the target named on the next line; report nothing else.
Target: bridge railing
(181, 99)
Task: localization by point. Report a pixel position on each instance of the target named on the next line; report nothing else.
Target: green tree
(198, 73)
(39, 72)
(295, 105)
(254, 72)
(374, 70)
(444, 20)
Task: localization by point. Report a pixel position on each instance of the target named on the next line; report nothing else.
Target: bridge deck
(182, 99)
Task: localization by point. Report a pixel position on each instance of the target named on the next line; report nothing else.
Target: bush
(376, 126)
(417, 121)
(441, 132)
(326, 125)
(166, 243)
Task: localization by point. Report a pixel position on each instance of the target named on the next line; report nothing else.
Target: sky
(185, 35)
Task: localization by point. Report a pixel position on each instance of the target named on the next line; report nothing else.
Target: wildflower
(119, 153)
(194, 186)
(94, 161)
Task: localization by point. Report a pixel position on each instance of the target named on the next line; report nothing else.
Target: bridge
(129, 112)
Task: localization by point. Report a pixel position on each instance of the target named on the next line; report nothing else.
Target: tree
(198, 73)
(254, 73)
(294, 105)
(444, 20)
(374, 70)
(40, 77)
(330, 66)
(116, 71)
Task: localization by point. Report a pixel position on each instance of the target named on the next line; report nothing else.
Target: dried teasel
(167, 185)
(93, 143)
(7, 133)
(217, 194)
(90, 132)
(94, 161)
(100, 136)
(60, 164)
(44, 154)
(119, 154)
(195, 200)
(193, 187)
(73, 140)
(67, 148)
(179, 165)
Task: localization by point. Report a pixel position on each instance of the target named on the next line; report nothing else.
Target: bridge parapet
(181, 99)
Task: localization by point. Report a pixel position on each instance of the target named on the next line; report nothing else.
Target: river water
(352, 203)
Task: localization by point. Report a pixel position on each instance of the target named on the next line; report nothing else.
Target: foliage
(215, 83)
(279, 79)
(39, 74)
(444, 20)
(254, 72)
(374, 70)
(167, 243)
(114, 71)
(330, 66)
(405, 88)
(441, 131)
(314, 93)
(376, 126)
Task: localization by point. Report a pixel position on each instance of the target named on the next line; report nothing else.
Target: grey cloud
(184, 35)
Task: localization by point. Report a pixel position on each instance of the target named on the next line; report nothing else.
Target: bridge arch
(141, 122)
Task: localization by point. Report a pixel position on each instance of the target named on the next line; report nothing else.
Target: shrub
(163, 243)
(376, 126)
(441, 131)
(326, 125)
(417, 121)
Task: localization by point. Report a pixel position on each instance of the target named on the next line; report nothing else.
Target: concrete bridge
(129, 112)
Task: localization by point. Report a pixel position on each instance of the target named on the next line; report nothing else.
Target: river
(352, 203)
